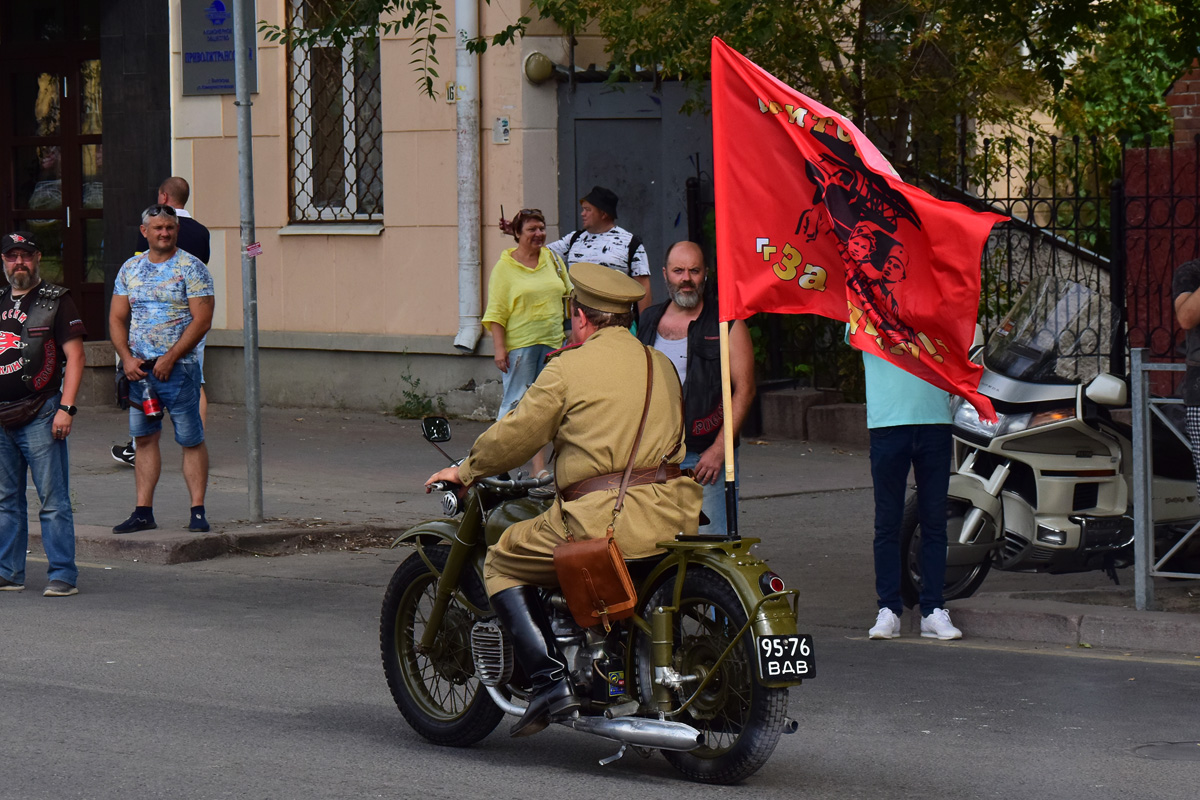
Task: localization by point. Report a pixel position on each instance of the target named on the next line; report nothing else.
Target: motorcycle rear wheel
(437, 692)
(739, 718)
(961, 581)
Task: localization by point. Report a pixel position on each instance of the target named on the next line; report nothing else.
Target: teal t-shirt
(896, 397)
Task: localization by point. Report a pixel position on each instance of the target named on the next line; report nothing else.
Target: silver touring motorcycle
(1048, 486)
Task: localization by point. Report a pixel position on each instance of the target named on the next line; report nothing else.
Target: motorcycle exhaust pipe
(656, 734)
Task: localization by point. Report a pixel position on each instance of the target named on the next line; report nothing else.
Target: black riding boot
(524, 619)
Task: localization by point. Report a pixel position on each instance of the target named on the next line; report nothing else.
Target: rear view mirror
(1107, 390)
(435, 429)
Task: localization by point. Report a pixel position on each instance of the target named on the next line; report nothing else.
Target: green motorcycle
(701, 672)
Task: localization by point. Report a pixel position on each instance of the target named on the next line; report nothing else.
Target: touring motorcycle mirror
(437, 429)
(978, 340)
(1107, 390)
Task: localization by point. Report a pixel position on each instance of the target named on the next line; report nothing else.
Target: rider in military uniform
(589, 402)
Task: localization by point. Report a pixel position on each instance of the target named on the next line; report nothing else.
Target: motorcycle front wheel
(437, 692)
(739, 719)
(961, 581)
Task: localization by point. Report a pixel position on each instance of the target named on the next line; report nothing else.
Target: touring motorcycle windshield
(1053, 334)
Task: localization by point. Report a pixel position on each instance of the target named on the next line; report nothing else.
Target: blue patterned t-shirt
(158, 297)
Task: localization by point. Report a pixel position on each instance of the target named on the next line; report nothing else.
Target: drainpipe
(466, 76)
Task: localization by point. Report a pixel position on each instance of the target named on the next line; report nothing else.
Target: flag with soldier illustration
(812, 219)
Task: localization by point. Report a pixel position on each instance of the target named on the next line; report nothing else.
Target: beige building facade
(360, 310)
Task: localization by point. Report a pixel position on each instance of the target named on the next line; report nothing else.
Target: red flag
(814, 220)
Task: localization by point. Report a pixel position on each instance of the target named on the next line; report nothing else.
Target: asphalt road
(260, 678)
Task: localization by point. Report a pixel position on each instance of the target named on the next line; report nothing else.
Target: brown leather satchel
(592, 573)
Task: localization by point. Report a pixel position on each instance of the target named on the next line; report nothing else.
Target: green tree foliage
(1116, 88)
(335, 23)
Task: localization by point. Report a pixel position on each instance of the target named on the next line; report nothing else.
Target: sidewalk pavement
(329, 475)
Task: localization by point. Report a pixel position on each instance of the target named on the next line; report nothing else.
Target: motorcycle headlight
(967, 418)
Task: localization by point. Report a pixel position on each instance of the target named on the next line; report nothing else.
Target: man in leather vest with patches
(685, 329)
(41, 367)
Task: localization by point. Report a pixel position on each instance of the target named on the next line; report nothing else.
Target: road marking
(88, 564)
(1048, 649)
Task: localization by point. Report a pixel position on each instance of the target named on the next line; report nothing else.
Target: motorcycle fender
(733, 562)
(434, 531)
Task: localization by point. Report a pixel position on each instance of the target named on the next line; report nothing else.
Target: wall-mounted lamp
(538, 68)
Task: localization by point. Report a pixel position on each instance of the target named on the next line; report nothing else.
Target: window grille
(336, 158)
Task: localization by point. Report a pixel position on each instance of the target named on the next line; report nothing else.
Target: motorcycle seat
(640, 568)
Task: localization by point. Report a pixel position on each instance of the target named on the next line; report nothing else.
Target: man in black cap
(602, 242)
(41, 366)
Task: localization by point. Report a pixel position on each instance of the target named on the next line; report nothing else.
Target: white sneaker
(887, 625)
(938, 626)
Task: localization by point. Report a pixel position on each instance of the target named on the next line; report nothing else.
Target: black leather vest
(703, 413)
(41, 363)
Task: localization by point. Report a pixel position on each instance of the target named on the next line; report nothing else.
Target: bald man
(684, 328)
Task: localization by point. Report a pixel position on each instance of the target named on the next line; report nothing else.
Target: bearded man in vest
(685, 329)
(41, 366)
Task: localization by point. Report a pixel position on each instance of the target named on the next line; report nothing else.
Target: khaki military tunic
(589, 402)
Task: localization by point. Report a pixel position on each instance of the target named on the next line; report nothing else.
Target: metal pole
(1143, 516)
(731, 509)
(1116, 278)
(241, 46)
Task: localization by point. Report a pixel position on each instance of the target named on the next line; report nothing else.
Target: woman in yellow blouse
(525, 309)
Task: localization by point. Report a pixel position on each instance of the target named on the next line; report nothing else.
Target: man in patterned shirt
(162, 307)
(602, 242)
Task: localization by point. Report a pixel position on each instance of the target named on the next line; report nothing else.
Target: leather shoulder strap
(638, 439)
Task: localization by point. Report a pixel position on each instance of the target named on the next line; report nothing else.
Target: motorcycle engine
(492, 653)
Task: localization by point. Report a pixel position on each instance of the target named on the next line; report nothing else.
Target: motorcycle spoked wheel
(740, 719)
(961, 581)
(437, 692)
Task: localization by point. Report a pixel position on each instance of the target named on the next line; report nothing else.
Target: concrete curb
(1012, 618)
(179, 547)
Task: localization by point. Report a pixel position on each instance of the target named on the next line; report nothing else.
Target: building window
(337, 133)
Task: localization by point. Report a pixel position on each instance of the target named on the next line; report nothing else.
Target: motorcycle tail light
(771, 583)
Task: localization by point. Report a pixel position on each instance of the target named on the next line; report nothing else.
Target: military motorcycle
(701, 671)
(1048, 486)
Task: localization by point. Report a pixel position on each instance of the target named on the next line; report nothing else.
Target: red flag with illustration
(814, 220)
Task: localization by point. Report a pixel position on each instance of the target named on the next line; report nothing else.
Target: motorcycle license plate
(786, 657)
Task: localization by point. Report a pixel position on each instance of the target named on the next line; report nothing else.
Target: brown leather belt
(639, 477)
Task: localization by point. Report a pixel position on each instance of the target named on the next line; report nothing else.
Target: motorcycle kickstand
(604, 762)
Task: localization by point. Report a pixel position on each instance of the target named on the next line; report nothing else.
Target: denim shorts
(524, 365)
(180, 396)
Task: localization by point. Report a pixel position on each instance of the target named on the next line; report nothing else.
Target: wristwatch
(72, 410)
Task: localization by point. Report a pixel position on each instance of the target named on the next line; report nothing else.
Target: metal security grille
(336, 159)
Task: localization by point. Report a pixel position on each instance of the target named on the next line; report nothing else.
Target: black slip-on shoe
(135, 524)
(59, 589)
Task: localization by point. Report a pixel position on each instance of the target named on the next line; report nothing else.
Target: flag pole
(731, 527)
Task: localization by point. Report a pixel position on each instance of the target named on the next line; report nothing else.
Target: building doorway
(51, 143)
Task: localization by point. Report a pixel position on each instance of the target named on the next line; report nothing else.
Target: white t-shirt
(676, 350)
(609, 249)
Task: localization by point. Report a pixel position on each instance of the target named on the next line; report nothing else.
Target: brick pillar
(1184, 102)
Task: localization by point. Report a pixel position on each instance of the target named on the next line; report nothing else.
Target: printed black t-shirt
(1186, 280)
(67, 326)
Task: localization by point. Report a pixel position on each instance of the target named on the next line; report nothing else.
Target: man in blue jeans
(162, 307)
(41, 366)
(909, 422)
